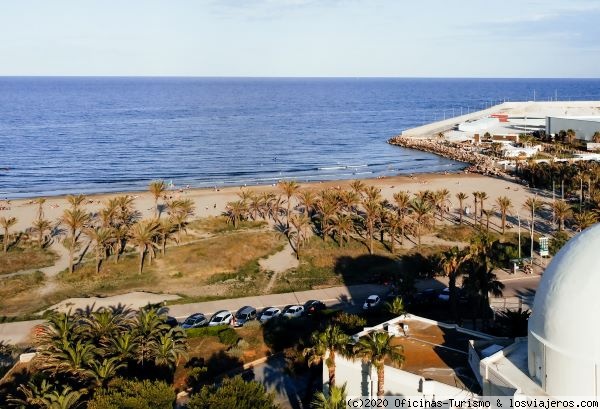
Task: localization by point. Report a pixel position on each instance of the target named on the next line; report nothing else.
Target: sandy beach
(211, 202)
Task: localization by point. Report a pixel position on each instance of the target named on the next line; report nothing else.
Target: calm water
(70, 135)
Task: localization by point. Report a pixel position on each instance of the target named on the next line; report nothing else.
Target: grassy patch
(25, 258)
(218, 224)
(456, 232)
(17, 292)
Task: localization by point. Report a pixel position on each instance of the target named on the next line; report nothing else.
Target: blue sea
(84, 135)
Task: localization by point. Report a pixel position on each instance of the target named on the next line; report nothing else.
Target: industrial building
(584, 126)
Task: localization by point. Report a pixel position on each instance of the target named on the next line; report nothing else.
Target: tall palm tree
(331, 340)
(157, 188)
(119, 233)
(301, 223)
(475, 201)
(142, 236)
(102, 238)
(236, 212)
(307, 199)
(450, 262)
(561, 210)
(289, 189)
(422, 212)
(255, 206)
(40, 202)
(75, 219)
(488, 214)
(335, 398)
(393, 223)
(358, 186)
(461, 196)
(372, 193)
(372, 213)
(166, 228)
(441, 198)
(504, 205)
(6, 223)
(583, 220)
(41, 226)
(327, 209)
(75, 201)
(483, 196)
(72, 246)
(180, 210)
(343, 225)
(375, 348)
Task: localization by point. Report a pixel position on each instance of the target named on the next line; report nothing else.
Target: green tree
(101, 237)
(331, 340)
(450, 262)
(396, 307)
(75, 219)
(583, 220)
(375, 348)
(461, 196)
(301, 225)
(335, 398)
(421, 209)
(134, 394)
(236, 212)
(233, 393)
(142, 236)
(504, 205)
(157, 188)
(289, 189)
(41, 227)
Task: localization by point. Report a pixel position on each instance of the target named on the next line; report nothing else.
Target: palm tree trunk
(370, 232)
(141, 265)
(97, 262)
(452, 288)
(5, 240)
(331, 368)
(156, 207)
(71, 250)
(392, 240)
(380, 379)
(164, 244)
(503, 221)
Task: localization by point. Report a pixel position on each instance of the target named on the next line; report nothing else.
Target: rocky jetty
(480, 163)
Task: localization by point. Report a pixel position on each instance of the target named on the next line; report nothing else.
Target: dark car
(313, 307)
(195, 321)
(243, 315)
(171, 321)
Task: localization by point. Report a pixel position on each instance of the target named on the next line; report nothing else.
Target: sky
(301, 38)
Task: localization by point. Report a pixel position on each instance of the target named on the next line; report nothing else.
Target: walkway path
(278, 263)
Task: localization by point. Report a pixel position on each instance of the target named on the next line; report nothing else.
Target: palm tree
(327, 209)
(343, 225)
(488, 213)
(483, 196)
(375, 348)
(561, 211)
(450, 262)
(235, 212)
(504, 205)
(584, 219)
(75, 201)
(103, 371)
(396, 307)
(157, 188)
(255, 206)
(41, 226)
(441, 199)
(372, 213)
(301, 224)
(358, 187)
(461, 199)
(332, 340)
(40, 202)
(169, 349)
(422, 211)
(101, 237)
(394, 223)
(334, 399)
(142, 236)
(119, 234)
(72, 246)
(6, 223)
(372, 193)
(75, 219)
(180, 210)
(307, 199)
(475, 201)
(571, 134)
(289, 189)
(166, 228)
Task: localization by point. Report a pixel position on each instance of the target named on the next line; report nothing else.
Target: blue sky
(426, 38)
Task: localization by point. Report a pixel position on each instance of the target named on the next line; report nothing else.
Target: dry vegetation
(25, 258)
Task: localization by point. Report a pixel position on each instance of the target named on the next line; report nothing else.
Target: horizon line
(296, 77)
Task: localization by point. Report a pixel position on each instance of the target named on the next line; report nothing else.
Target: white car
(222, 317)
(294, 311)
(372, 301)
(269, 313)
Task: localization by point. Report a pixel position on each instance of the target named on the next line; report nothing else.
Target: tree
(331, 340)
(372, 213)
(343, 225)
(475, 201)
(40, 202)
(561, 210)
(134, 394)
(289, 189)
(583, 220)
(157, 188)
(179, 211)
(142, 236)
(375, 348)
(6, 223)
(461, 196)
(75, 219)
(233, 393)
(422, 210)
(483, 196)
(75, 201)
(166, 228)
(41, 226)
(335, 398)
(101, 237)
(307, 199)
(301, 224)
(358, 187)
(504, 205)
(513, 322)
(396, 307)
(394, 223)
(488, 213)
(441, 198)
(450, 262)
(236, 212)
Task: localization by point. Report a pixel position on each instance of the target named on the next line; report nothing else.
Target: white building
(584, 126)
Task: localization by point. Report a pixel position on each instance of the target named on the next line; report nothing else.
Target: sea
(62, 135)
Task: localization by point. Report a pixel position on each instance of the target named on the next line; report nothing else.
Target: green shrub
(206, 331)
(558, 240)
(228, 336)
(235, 352)
(233, 393)
(131, 394)
(350, 323)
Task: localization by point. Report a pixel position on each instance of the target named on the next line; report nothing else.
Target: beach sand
(211, 202)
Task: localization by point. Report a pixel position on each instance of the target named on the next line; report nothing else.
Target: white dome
(564, 328)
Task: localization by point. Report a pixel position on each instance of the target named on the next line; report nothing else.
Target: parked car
(171, 321)
(195, 321)
(243, 315)
(269, 313)
(313, 307)
(222, 317)
(444, 295)
(372, 301)
(461, 295)
(294, 311)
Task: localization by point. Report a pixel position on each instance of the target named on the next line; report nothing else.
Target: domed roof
(566, 310)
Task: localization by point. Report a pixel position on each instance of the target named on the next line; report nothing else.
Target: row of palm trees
(85, 350)
(110, 230)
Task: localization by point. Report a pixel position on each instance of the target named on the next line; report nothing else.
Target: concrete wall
(584, 129)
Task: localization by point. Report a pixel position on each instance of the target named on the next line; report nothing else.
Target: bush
(233, 393)
(235, 352)
(350, 323)
(558, 240)
(131, 394)
(242, 343)
(206, 331)
(228, 336)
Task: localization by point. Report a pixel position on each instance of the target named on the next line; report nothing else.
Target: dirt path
(277, 263)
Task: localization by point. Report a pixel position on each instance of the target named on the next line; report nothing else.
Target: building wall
(584, 129)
